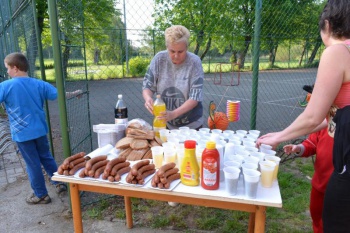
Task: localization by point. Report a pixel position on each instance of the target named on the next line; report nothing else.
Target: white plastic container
(109, 133)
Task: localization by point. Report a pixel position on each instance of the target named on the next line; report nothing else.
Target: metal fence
(103, 47)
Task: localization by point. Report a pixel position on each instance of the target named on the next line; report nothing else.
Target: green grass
(102, 72)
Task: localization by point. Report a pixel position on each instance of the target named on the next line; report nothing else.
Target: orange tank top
(343, 97)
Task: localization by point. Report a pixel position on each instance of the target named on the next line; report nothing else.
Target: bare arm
(148, 97)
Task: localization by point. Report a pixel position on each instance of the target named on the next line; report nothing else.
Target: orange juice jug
(189, 167)
(158, 107)
(210, 169)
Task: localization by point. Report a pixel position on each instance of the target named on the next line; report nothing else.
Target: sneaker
(32, 199)
(61, 187)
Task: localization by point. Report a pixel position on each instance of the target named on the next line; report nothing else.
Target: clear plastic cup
(232, 164)
(267, 169)
(276, 160)
(217, 131)
(231, 179)
(259, 155)
(251, 149)
(157, 155)
(264, 147)
(251, 181)
(253, 166)
(252, 159)
(255, 132)
(163, 133)
(269, 152)
(207, 130)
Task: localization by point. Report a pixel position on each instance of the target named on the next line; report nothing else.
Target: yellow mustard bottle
(189, 167)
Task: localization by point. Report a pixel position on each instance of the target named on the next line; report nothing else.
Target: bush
(138, 66)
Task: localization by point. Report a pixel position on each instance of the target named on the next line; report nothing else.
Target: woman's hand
(271, 139)
(149, 105)
(167, 116)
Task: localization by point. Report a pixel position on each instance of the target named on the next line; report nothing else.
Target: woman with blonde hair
(177, 75)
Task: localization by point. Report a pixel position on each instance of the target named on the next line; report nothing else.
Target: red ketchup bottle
(210, 169)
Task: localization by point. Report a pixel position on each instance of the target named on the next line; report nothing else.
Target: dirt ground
(17, 216)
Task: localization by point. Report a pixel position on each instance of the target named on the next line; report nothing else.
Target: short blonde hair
(176, 34)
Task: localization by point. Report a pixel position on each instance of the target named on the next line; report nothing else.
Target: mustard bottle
(189, 167)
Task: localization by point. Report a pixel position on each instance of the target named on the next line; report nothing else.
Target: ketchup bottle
(210, 169)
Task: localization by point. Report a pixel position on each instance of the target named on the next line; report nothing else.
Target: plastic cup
(267, 169)
(251, 149)
(269, 152)
(264, 147)
(241, 131)
(207, 130)
(251, 137)
(248, 143)
(217, 131)
(237, 158)
(163, 133)
(169, 156)
(180, 152)
(157, 156)
(235, 137)
(251, 159)
(231, 179)
(244, 153)
(259, 155)
(255, 132)
(184, 129)
(232, 164)
(276, 160)
(251, 181)
(238, 148)
(253, 166)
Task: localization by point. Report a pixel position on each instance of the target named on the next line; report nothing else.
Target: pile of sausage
(112, 170)
(72, 164)
(115, 169)
(94, 167)
(165, 175)
(140, 171)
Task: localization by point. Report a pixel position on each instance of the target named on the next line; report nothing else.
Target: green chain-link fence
(103, 47)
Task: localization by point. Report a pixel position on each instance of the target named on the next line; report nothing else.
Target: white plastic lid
(120, 96)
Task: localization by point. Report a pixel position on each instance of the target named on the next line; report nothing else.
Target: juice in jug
(189, 167)
(158, 107)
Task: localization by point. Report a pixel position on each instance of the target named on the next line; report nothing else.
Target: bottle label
(210, 168)
(120, 113)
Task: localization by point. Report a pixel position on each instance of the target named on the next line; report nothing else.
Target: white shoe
(173, 204)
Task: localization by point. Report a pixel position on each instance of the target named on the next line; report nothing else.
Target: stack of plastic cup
(233, 110)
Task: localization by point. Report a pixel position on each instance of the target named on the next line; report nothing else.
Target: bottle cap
(120, 96)
(190, 144)
(158, 96)
(210, 145)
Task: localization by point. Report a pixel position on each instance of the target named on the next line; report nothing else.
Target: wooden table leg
(128, 212)
(76, 210)
(251, 224)
(260, 218)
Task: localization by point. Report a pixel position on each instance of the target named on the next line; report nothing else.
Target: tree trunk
(206, 48)
(314, 52)
(302, 54)
(242, 55)
(272, 56)
(199, 41)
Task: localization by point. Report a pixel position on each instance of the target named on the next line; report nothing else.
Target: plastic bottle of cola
(120, 111)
